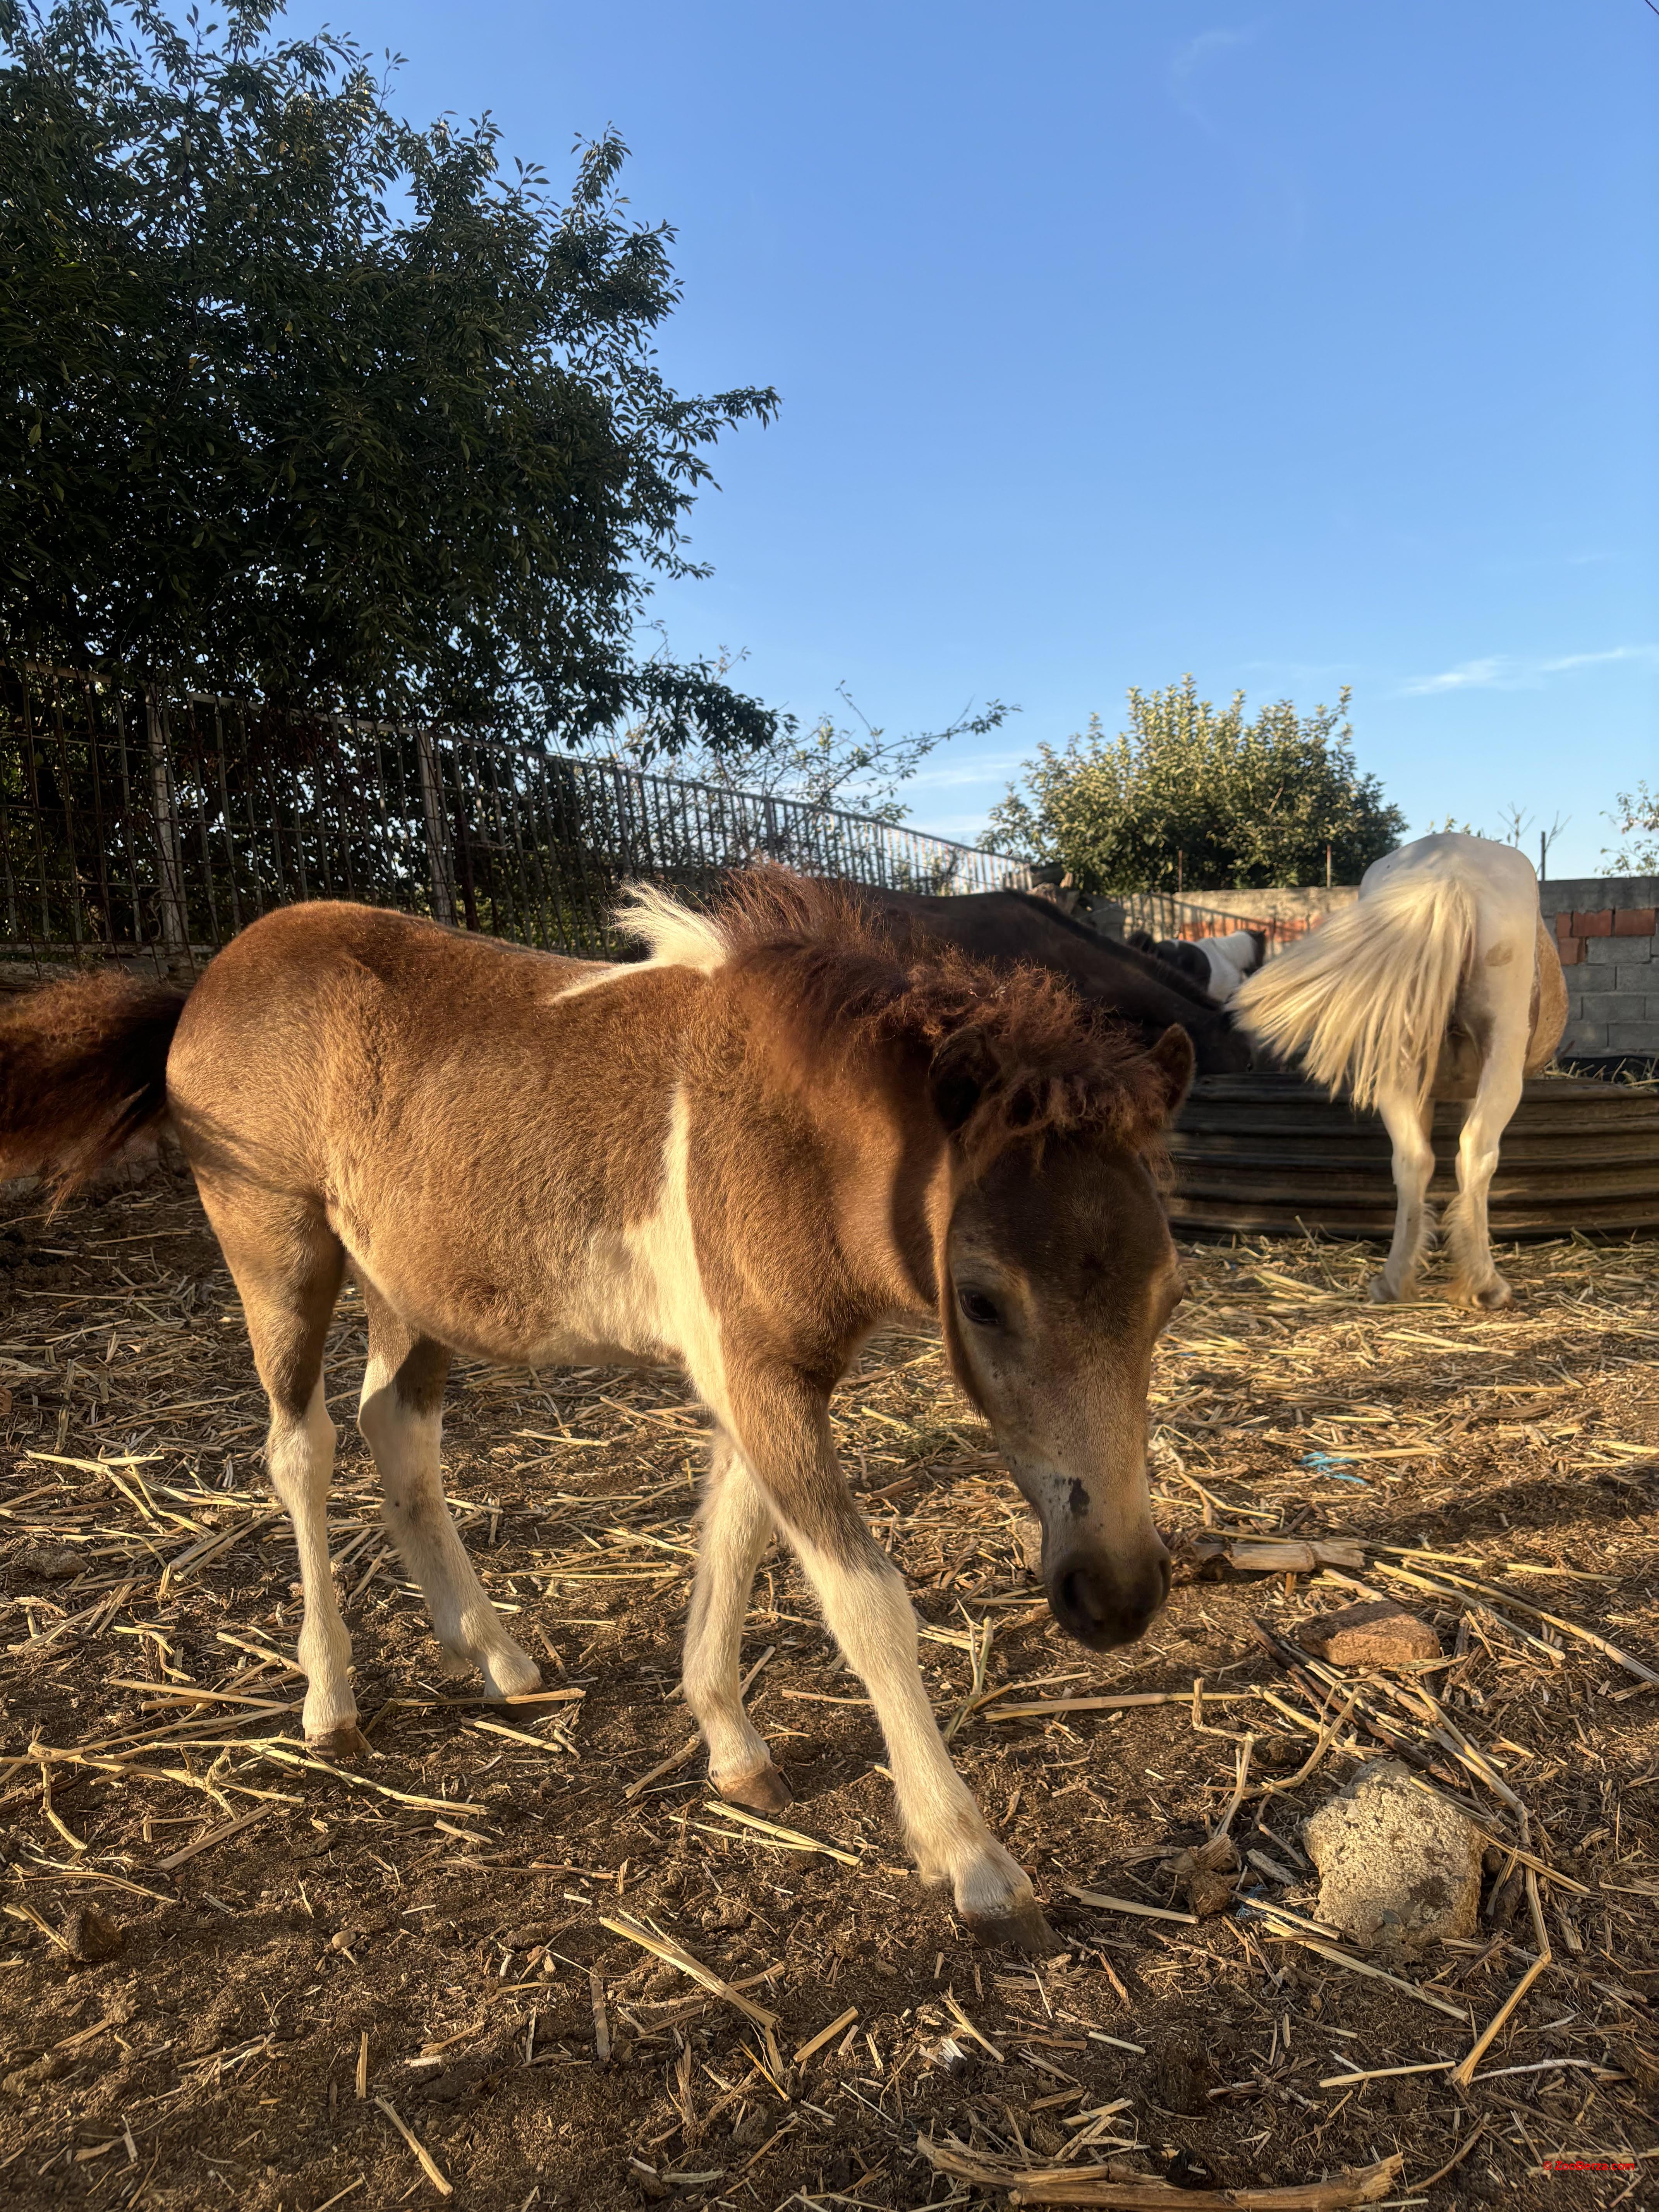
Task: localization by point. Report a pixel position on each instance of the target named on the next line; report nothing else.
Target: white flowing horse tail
(1366, 998)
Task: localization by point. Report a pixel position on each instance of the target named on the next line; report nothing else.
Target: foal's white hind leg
(288, 1267)
(400, 1414)
(1408, 1124)
(299, 1458)
(1475, 1280)
(735, 1527)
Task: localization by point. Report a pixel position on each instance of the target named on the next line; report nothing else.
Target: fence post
(169, 838)
(432, 811)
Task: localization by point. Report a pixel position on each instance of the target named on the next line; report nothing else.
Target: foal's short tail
(1366, 998)
(82, 1073)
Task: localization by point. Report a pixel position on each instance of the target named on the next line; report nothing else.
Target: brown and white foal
(740, 1156)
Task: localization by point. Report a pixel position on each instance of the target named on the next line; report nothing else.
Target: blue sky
(1291, 344)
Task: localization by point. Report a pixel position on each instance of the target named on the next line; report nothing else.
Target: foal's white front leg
(869, 1612)
(300, 1456)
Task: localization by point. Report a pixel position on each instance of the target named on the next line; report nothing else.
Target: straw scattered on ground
(522, 1958)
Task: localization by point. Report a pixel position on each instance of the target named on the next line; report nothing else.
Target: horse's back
(330, 1044)
(326, 1002)
(1015, 928)
(290, 950)
(1499, 877)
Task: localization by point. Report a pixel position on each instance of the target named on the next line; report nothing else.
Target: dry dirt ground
(308, 1968)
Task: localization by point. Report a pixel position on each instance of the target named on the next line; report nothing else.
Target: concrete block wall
(1605, 932)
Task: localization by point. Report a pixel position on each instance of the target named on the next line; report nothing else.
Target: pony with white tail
(1440, 982)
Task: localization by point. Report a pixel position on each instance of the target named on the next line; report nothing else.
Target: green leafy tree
(303, 401)
(1195, 797)
(1636, 818)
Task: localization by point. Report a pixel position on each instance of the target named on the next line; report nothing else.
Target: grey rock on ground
(1398, 1868)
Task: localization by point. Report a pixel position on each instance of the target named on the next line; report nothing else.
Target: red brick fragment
(1376, 1635)
(1633, 921)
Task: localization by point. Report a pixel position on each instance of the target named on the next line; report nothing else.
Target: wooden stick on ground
(52, 1813)
(791, 1838)
(1385, 2073)
(1043, 1707)
(1454, 2160)
(1128, 1905)
(1328, 1732)
(676, 1955)
(428, 2164)
(216, 1836)
(817, 2042)
(980, 1653)
(1114, 2185)
(1242, 1775)
(687, 1751)
(1462, 2073)
(1287, 1935)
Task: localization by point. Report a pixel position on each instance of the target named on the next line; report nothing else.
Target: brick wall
(1605, 933)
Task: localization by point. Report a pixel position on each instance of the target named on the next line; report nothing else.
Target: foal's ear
(964, 1070)
(1172, 1061)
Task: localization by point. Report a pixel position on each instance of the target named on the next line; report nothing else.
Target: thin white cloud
(1192, 55)
(1198, 85)
(1509, 673)
(1592, 660)
(1470, 675)
(1302, 671)
(995, 770)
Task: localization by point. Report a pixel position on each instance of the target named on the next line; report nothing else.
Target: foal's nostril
(1094, 1601)
(1082, 1601)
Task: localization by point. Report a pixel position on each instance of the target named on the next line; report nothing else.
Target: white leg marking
(300, 1455)
(1408, 1126)
(869, 1612)
(735, 1527)
(1475, 1280)
(406, 1445)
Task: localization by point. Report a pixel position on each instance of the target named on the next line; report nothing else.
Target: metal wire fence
(138, 822)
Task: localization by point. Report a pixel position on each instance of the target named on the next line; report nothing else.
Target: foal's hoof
(346, 1742)
(509, 1673)
(1382, 1292)
(765, 1790)
(1026, 1930)
(1487, 1299)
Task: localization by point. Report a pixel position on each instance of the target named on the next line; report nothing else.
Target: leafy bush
(1637, 820)
(1191, 797)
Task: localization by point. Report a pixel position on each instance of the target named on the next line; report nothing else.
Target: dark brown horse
(740, 1156)
(1134, 987)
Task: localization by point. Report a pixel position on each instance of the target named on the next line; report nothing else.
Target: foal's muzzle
(1104, 1602)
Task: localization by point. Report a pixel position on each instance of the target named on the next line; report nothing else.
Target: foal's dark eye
(978, 1308)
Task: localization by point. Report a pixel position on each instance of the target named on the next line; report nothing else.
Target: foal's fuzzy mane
(1013, 1053)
